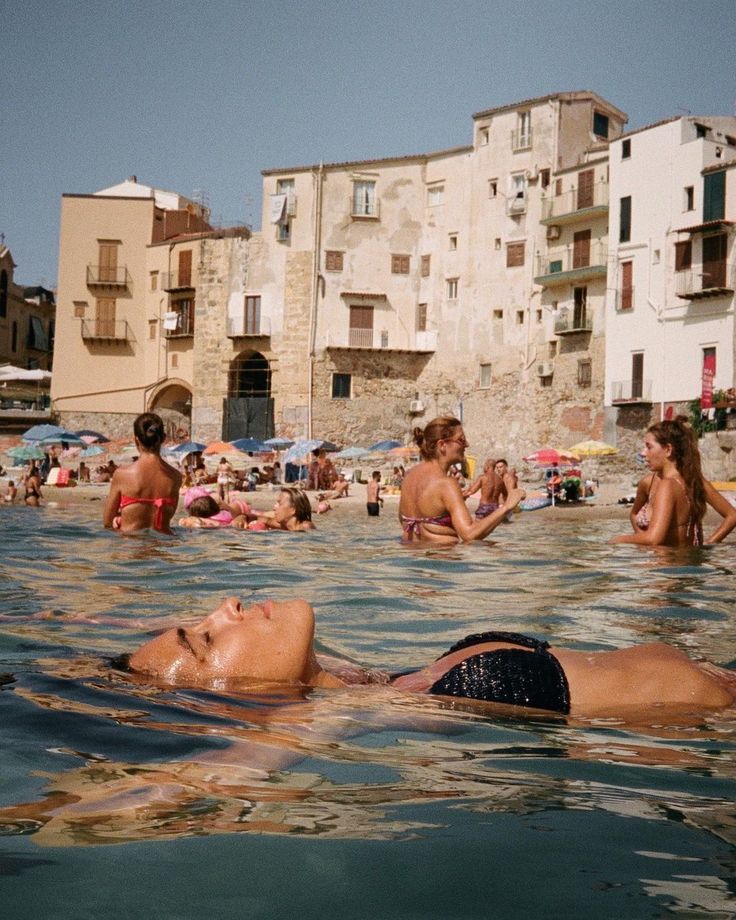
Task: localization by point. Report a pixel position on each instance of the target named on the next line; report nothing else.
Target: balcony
(516, 204)
(631, 392)
(569, 322)
(113, 277)
(425, 342)
(240, 327)
(715, 279)
(521, 140)
(625, 300)
(576, 205)
(105, 330)
(572, 264)
(177, 281)
(184, 328)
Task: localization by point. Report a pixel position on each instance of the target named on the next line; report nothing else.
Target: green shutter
(714, 196)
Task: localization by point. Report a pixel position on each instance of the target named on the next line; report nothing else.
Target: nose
(229, 611)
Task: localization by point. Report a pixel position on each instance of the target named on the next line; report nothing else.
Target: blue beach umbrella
(92, 451)
(188, 447)
(251, 446)
(385, 445)
(38, 432)
(26, 452)
(351, 453)
(278, 443)
(62, 436)
(87, 435)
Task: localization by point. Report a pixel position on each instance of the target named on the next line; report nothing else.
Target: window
(452, 288)
(453, 241)
(483, 136)
(333, 261)
(517, 192)
(544, 178)
(283, 231)
(435, 195)
(683, 255)
(152, 326)
(252, 314)
(497, 243)
(174, 359)
(107, 270)
(552, 349)
(184, 310)
(514, 255)
(105, 318)
(14, 337)
(425, 265)
(656, 256)
(80, 308)
(3, 293)
(485, 376)
(714, 261)
(714, 196)
(581, 249)
(519, 317)
(421, 317)
(538, 316)
(492, 188)
(185, 268)
(626, 149)
(580, 303)
(287, 187)
(545, 381)
(558, 187)
(400, 265)
(586, 180)
(498, 314)
(624, 231)
(361, 326)
(701, 130)
(341, 385)
(364, 199)
(626, 296)
(154, 281)
(585, 372)
(688, 203)
(600, 125)
(523, 136)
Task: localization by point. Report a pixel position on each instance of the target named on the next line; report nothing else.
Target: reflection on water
(90, 758)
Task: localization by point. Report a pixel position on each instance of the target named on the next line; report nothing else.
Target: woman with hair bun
(671, 501)
(146, 493)
(432, 506)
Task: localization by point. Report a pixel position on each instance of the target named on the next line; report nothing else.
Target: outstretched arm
(465, 527)
(725, 509)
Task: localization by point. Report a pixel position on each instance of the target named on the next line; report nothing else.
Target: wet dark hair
(300, 503)
(438, 429)
(149, 430)
(121, 663)
(204, 506)
(678, 434)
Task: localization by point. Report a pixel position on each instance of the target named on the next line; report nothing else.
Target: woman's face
(269, 641)
(655, 453)
(283, 510)
(456, 445)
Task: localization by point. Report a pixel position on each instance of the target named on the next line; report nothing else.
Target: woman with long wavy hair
(672, 500)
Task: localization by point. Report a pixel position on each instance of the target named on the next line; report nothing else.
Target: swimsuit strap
(512, 638)
(412, 524)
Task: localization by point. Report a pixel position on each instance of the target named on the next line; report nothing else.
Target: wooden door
(627, 289)
(185, 268)
(581, 249)
(714, 261)
(361, 326)
(108, 262)
(585, 188)
(637, 375)
(105, 319)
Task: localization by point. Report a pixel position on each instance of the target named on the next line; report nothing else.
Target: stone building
(468, 281)
(130, 262)
(670, 334)
(27, 316)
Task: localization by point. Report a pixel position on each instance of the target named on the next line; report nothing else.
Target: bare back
(149, 478)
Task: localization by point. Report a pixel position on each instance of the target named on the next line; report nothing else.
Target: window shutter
(514, 255)
(683, 255)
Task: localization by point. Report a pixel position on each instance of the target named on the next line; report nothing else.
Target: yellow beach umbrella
(594, 449)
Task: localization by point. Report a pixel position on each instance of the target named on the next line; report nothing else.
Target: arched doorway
(173, 402)
(248, 409)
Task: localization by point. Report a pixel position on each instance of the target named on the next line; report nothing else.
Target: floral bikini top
(644, 515)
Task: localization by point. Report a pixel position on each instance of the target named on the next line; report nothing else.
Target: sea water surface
(119, 799)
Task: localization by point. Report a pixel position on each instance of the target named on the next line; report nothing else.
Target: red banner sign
(709, 372)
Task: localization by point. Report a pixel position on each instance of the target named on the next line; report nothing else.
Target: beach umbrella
(91, 437)
(218, 447)
(188, 447)
(550, 456)
(62, 436)
(251, 446)
(26, 452)
(279, 443)
(593, 449)
(385, 446)
(351, 453)
(37, 432)
(300, 449)
(92, 451)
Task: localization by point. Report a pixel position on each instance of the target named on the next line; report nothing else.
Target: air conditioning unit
(553, 232)
(416, 406)
(545, 369)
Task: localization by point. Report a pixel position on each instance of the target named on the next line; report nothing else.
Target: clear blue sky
(191, 95)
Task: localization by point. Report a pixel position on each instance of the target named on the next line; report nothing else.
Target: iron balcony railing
(422, 341)
(109, 330)
(555, 207)
(631, 391)
(579, 320)
(177, 281)
(587, 260)
(240, 326)
(711, 280)
(107, 276)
